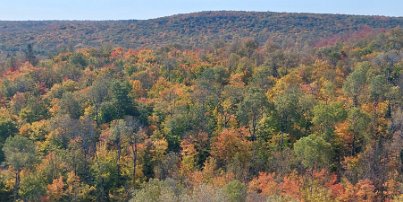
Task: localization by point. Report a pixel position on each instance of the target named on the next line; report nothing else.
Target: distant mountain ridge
(189, 30)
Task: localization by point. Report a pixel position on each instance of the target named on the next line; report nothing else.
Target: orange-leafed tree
(363, 191)
(292, 186)
(264, 184)
(55, 190)
(233, 150)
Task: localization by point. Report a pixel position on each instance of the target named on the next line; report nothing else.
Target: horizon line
(199, 12)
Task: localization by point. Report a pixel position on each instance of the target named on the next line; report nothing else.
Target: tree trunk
(355, 101)
(17, 184)
(134, 151)
(353, 145)
(118, 156)
(102, 191)
(254, 125)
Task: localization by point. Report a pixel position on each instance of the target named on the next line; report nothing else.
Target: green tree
(355, 82)
(120, 93)
(70, 105)
(293, 108)
(119, 104)
(252, 109)
(33, 187)
(313, 151)
(358, 122)
(30, 55)
(78, 59)
(156, 190)
(236, 191)
(8, 127)
(20, 153)
(378, 88)
(325, 118)
(35, 110)
(104, 172)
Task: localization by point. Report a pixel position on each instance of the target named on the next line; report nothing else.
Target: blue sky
(146, 9)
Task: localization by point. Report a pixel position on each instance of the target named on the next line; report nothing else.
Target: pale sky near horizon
(146, 9)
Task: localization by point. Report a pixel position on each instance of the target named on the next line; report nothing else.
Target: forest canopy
(245, 119)
(194, 30)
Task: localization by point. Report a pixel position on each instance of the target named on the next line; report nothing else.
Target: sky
(147, 9)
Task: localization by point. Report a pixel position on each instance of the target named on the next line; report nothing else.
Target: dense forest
(187, 30)
(248, 118)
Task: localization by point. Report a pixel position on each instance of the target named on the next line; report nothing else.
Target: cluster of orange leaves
(292, 185)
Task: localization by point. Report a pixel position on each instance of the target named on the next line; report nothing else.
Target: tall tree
(125, 135)
(325, 117)
(355, 82)
(313, 151)
(252, 108)
(20, 153)
(30, 55)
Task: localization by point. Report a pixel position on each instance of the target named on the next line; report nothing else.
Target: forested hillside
(248, 119)
(187, 30)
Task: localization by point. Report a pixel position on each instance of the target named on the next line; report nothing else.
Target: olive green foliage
(313, 151)
(20, 152)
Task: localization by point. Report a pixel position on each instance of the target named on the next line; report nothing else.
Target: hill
(190, 30)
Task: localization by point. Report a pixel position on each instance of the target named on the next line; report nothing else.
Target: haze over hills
(189, 30)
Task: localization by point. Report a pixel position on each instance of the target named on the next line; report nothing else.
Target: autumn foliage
(238, 120)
